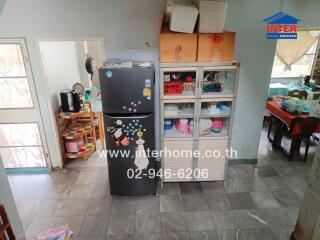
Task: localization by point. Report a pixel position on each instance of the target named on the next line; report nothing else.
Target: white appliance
(212, 16)
(183, 17)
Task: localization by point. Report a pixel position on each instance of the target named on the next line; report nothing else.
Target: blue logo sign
(281, 26)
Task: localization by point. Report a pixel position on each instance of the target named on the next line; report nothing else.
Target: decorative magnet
(109, 74)
(146, 92)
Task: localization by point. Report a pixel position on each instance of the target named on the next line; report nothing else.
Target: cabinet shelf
(185, 115)
(174, 133)
(224, 134)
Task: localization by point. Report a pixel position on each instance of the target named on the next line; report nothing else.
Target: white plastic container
(212, 16)
(183, 17)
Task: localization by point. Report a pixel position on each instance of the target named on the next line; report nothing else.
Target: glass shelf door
(178, 119)
(214, 118)
(218, 82)
(179, 83)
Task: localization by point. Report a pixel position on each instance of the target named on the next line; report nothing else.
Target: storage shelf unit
(197, 106)
(85, 130)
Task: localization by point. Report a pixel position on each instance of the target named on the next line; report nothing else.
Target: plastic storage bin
(212, 16)
(183, 17)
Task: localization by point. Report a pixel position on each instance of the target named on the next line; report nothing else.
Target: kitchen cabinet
(197, 107)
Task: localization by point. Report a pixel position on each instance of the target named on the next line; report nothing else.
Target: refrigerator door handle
(129, 117)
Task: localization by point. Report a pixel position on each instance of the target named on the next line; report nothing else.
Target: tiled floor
(255, 202)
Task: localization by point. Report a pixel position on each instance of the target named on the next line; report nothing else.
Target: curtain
(290, 51)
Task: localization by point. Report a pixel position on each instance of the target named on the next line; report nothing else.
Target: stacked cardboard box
(191, 47)
(202, 47)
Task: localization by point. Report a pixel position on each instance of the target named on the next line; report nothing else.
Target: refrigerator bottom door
(131, 168)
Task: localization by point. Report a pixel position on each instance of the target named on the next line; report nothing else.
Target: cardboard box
(177, 47)
(216, 47)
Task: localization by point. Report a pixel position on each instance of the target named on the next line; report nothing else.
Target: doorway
(22, 140)
(63, 67)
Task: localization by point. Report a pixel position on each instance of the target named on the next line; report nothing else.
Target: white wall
(256, 56)
(6, 198)
(60, 64)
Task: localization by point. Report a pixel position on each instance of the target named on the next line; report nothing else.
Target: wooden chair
(6, 232)
(301, 94)
(306, 128)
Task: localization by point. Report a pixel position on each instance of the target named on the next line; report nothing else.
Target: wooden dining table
(285, 118)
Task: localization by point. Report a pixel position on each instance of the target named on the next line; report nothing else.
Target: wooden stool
(5, 226)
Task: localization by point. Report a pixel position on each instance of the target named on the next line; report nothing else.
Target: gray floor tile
(94, 226)
(100, 190)
(92, 238)
(230, 234)
(241, 201)
(236, 185)
(213, 187)
(176, 236)
(99, 206)
(86, 178)
(74, 223)
(28, 208)
(199, 221)
(240, 171)
(169, 189)
(148, 205)
(170, 203)
(194, 202)
(147, 236)
(190, 188)
(261, 234)
(218, 201)
(251, 218)
(173, 222)
(148, 223)
(293, 213)
(285, 171)
(120, 237)
(39, 225)
(26, 221)
(264, 200)
(225, 219)
(124, 205)
(287, 198)
(121, 224)
(72, 191)
(283, 233)
(63, 208)
(204, 235)
(275, 183)
(265, 171)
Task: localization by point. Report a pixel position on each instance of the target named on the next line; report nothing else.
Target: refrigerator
(128, 110)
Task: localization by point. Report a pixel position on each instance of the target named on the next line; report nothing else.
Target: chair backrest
(6, 231)
(301, 94)
(305, 126)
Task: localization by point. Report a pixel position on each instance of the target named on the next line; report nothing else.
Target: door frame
(45, 79)
(33, 111)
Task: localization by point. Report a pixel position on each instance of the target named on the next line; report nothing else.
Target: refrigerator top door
(127, 90)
